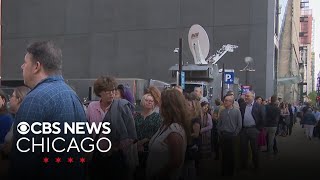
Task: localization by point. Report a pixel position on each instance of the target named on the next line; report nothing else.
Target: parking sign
(229, 76)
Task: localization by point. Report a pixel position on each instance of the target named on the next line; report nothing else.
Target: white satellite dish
(199, 44)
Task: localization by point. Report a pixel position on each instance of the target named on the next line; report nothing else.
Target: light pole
(248, 60)
(179, 72)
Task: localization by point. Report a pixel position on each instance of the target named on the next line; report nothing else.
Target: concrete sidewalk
(298, 157)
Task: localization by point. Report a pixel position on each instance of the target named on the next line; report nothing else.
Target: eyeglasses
(109, 92)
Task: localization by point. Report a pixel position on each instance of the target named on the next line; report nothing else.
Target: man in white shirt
(253, 117)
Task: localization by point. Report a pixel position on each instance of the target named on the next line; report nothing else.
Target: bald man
(253, 117)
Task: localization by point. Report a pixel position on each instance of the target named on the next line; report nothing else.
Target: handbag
(262, 138)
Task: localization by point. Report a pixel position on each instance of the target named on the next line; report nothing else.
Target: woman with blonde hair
(156, 94)
(191, 164)
(147, 123)
(168, 146)
(16, 99)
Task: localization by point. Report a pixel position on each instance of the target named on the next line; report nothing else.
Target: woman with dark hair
(290, 120)
(168, 146)
(214, 131)
(6, 119)
(284, 116)
(205, 131)
(123, 92)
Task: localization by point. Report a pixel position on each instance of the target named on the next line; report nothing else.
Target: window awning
(289, 80)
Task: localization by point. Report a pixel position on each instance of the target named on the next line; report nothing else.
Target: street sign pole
(222, 81)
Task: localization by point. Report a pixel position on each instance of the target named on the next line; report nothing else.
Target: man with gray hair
(253, 117)
(229, 126)
(50, 100)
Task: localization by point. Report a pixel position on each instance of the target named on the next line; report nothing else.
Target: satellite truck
(84, 87)
(204, 72)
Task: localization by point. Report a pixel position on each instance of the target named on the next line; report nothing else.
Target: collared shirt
(148, 126)
(51, 100)
(94, 112)
(317, 115)
(248, 119)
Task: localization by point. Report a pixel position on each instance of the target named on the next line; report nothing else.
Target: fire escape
(305, 40)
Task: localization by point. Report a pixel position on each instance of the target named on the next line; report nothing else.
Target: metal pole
(180, 60)
(222, 81)
(246, 77)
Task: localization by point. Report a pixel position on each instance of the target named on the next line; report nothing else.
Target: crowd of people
(167, 139)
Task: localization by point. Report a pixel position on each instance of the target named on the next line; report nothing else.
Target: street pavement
(298, 157)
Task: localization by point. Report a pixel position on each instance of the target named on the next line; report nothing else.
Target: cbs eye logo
(23, 128)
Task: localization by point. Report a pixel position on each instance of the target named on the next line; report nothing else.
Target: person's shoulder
(136, 115)
(156, 114)
(93, 104)
(6, 117)
(258, 105)
(34, 97)
(121, 102)
(242, 105)
(236, 110)
(176, 127)
(222, 110)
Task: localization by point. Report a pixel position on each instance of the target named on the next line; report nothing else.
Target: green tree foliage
(313, 97)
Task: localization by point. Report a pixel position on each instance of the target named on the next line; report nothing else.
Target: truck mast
(204, 72)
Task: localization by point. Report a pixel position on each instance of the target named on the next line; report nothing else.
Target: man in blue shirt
(50, 100)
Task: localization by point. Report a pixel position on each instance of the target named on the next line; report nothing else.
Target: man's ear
(37, 67)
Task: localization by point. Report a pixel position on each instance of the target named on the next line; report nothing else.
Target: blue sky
(315, 6)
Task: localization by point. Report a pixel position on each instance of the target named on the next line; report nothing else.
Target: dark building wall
(136, 38)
